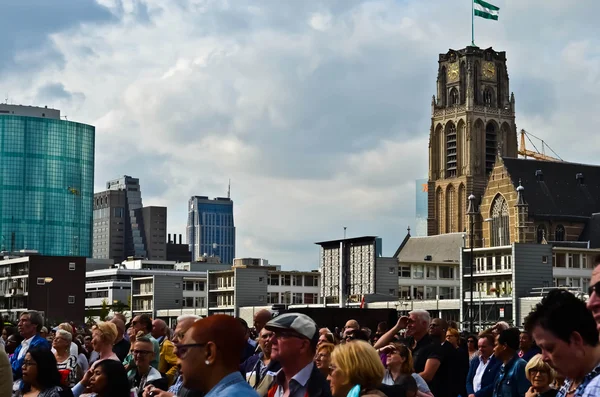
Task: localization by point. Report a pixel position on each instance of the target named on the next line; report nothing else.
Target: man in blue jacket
(483, 369)
(29, 326)
(511, 380)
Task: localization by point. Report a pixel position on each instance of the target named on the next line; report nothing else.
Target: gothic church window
(541, 233)
(454, 97)
(490, 147)
(451, 210)
(487, 97)
(451, 151)
(500, 222)
(439, 205)
(559, 233)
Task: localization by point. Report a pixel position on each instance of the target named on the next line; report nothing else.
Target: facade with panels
(210, 228)
(46, 183)
(109, 225)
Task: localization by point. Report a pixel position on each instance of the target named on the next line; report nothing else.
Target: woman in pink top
(103, 338)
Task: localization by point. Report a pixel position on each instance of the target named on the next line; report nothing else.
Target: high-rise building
(123, 228)
(210, 228)
(47, 182)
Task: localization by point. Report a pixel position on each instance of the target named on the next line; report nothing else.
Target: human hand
(151, 391)
(402, 322)
(86, 377)
(531, 392)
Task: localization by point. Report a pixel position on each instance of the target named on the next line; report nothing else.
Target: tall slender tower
(472, 121)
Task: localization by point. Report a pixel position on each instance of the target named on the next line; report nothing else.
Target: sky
(318, 111)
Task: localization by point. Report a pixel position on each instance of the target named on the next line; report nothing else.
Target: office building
(53, 285)
(123, 228)
(210, 228)
(47, 186)
(354, 271)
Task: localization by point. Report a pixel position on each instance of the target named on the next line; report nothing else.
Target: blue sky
(318, 111)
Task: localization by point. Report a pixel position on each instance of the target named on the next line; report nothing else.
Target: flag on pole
(485, 10)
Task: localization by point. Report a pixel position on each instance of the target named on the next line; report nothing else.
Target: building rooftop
(349, 240)
(29, 111)
(437, 249)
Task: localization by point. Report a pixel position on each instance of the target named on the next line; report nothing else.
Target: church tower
(472, 121)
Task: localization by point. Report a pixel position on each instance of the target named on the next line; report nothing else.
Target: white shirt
(24, 347)
(479, 374)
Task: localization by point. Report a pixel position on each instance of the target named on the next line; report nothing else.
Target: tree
(119, 307)
(104, 310)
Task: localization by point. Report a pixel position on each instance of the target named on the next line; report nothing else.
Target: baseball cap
(297, 322)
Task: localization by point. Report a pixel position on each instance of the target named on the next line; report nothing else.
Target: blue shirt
(232, 385)
(589, 387)
(511, 380)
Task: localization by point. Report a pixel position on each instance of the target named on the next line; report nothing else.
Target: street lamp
(471, 212)
(47, 281)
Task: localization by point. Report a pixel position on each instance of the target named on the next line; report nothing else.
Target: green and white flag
(485, 10)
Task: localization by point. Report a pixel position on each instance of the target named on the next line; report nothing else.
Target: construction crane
(523, 151)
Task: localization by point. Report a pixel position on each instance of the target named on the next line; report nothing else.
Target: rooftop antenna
(229, 189)
(345, 232)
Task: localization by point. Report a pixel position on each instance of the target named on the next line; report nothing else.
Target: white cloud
(318, 111)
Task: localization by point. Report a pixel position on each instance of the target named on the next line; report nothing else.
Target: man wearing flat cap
(293, 345)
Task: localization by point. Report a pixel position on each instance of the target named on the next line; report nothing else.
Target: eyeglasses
(29, 363)
(471, 341)
(142, 352)
(595, 287)
(180, 350)
(537, 371)
(286, 334)
(331, 369)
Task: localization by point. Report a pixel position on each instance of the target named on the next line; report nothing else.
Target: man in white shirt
(483, 369)
(29, 326)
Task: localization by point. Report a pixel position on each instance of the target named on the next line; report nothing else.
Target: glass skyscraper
(210, 228)
(46, 182)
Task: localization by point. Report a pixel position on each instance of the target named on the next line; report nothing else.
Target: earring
(206, 362)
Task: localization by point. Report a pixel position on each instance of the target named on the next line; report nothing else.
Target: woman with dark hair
(107, 379)
(40, 375)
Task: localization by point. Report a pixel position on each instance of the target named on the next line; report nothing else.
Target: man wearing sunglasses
(293, 345)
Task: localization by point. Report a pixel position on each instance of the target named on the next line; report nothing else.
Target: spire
(408, 230)
(229, 189)
(520, 195)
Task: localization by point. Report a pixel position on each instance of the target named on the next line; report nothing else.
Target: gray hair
(35, 317)
(188, 316)
(422, 315)
(64, 334)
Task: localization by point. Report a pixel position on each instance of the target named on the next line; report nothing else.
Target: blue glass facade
(210, 228)
(46, 185)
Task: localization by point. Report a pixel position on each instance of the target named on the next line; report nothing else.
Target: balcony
(499, 295)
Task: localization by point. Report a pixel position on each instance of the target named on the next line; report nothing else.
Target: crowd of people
(557, 353)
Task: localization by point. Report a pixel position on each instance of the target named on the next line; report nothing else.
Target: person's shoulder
(592, 388)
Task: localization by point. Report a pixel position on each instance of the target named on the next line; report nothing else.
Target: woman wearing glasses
(541, 376)
(40, 375)
(400, 362)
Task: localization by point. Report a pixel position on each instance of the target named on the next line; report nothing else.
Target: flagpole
(472, 23)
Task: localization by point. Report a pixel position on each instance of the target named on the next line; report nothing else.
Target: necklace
(573, 390)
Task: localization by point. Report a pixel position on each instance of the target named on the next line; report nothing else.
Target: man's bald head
(225, 332)
(159, 328)
(183, 324)
(352, 324)
(261, 317)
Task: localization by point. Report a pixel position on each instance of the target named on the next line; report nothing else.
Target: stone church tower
(472, 121)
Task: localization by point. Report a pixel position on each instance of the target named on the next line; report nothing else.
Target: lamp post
(47, 281)
(471, 212)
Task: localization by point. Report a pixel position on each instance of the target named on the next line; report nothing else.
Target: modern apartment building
(53, 285)
(47, 189)
(353, 269)
(250, 285)
(210, 228)
(123, 228)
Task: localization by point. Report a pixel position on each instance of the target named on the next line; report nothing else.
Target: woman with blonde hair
(400, 362)
(356, 370)
(103, 338)
(541, 376)
(323, 357)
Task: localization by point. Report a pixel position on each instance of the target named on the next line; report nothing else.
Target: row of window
(493, 263)
(193, 285)
(576, 261)
(428, 293)
(432, 272)
(293, 280)
(288, 298)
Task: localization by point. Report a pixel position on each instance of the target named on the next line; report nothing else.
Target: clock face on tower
(489, 70)
(453, 72)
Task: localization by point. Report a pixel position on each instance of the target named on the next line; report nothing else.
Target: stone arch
(454, 97)
(559, 233)
(451, 207)
(500, 222)
(439, 152)
(439, 209)
(461, 147)
(462, 205)
(478, 160)
(491, 145)
(505, 134)
(450, 149)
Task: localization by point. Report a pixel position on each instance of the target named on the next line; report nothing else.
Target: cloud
(318, 111)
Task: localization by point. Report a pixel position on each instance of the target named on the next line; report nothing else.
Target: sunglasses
(595, 287)
(181, 349)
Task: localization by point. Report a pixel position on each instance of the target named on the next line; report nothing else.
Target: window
(570, 260)
(541, 233)
(391, 270)
(273, 279)
(392, 292)
(404, 271)
(451, 150)
(487, 96)
(71, 299)
(273, 298)
(310, 299)
(188, 285)
(311, 281)
(584, 262)
(560, 282)
(200, 286)
(404, 292)
(71, 265)
(297, 299)
(446, 293)
(417, 271)
(446, 272)
(41, 281)
(500, 222)
(261, 279)
(297, 281)
(286, 279)
(544, 259)
(430, 292)
(454, 97)
(418, 292)
(559, 260)
(286, 298)
(188, 301)
(430, 272)
(559, 233)
(575, 282)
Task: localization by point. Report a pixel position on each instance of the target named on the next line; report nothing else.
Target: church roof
(557, 189)
(441, 248)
